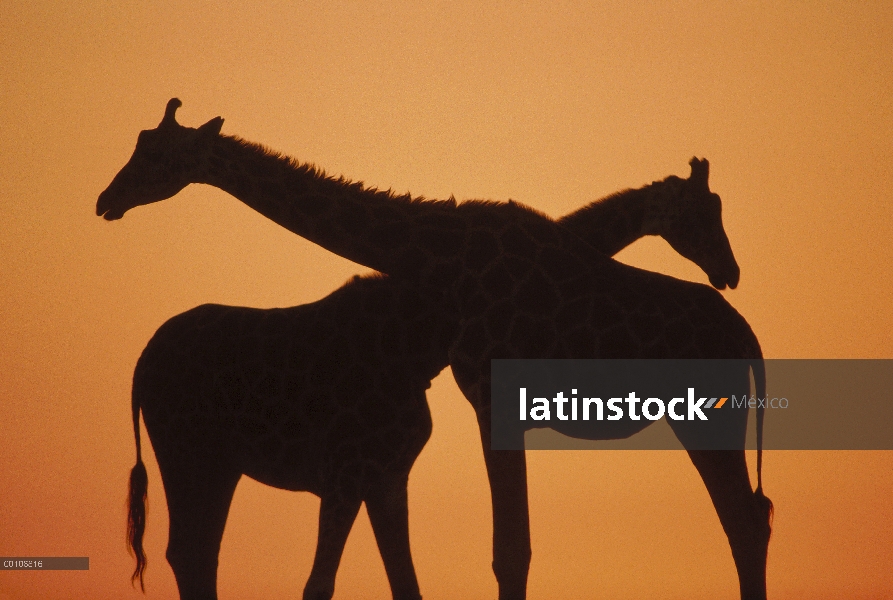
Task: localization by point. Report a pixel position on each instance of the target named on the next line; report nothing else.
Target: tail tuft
(136, 519)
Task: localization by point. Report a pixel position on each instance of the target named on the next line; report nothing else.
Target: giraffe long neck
(616, 221)
(391, 234)
(398, 235)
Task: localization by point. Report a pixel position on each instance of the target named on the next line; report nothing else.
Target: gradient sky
(552, 105)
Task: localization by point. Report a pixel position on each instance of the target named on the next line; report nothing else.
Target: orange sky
(552, 106)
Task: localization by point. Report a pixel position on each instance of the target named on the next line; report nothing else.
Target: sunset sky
(552, 105)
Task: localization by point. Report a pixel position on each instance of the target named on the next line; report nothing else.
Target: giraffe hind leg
(336, 517)
(744, 515)
(386, 503)
(198, 499)
(507, 474)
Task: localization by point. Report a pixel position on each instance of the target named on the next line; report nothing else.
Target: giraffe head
(160, 165)
(690, 219)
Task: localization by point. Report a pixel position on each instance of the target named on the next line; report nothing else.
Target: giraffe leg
(744, 515)
(336, 517)
(389, 514)
(198, 500)
(507, 472)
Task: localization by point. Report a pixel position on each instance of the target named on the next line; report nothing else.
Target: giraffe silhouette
(327, 397)
(272, 390)
(519, 284)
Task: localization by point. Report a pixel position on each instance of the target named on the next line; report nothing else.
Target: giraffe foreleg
(336, 517)
(744, 515)
(386, 503)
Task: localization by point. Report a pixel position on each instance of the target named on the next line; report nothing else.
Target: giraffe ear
(211, 128)
(700, 171)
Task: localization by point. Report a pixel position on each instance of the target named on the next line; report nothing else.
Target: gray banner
(696, 404)
(44, 563)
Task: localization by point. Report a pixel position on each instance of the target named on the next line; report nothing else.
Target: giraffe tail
(136, 503)
(759, 375)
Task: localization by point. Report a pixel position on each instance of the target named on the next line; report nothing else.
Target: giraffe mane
(319, 173)
(371, 276)
(613, 198)
(506, 205)
(359, 187)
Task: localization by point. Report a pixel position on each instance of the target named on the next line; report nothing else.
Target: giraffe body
(520, 286)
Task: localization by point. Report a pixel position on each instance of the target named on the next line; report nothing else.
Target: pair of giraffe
(330, 397)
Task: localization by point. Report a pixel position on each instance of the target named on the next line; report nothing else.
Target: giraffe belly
(343, 451)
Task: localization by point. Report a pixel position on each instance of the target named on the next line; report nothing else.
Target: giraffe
(232, 371)
(520, 285)
(327, 397)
